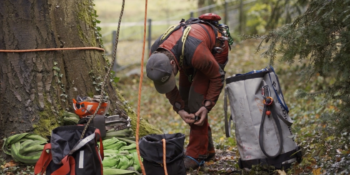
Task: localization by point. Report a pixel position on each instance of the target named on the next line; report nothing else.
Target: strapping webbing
(183, 39)
(168, 31)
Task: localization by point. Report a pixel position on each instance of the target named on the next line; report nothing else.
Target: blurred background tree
(320, 39)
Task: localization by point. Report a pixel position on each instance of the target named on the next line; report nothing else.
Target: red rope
(164, 157)
(139, 97)
(53, 49)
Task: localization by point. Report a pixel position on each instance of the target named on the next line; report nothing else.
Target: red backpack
(66, 154)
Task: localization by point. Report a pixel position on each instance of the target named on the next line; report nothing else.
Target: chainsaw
(85, 107)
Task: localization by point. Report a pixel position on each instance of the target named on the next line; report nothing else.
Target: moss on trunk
(37, 87)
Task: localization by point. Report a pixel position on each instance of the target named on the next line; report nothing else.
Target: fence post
(149, 35)
(226, 15)
(191, 14)
(114, 36)
(241, 17)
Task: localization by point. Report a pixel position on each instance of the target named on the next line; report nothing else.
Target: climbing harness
(221, 31)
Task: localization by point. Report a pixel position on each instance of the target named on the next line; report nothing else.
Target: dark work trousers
(195, 92)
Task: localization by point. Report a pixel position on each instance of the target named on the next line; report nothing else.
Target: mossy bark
(37, 87)
(144, 128)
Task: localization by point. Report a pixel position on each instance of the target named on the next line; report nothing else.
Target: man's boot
(192, 163)
(211, 149)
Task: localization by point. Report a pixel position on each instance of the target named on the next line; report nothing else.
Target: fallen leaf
(316, 171)
(10, 164)
(209, 163)
(281, 172)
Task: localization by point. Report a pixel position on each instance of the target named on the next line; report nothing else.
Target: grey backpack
(262, 124)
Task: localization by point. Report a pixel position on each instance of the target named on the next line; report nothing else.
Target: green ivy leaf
(116, 79)
(56, 68)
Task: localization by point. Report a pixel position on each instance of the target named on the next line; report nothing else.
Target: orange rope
(139, 97)
(164, 157)
(54, 49)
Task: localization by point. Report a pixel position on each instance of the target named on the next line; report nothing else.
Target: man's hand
(188, 118)
(202, 114)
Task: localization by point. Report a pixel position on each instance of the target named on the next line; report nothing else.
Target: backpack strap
(82, 143)
(268, 103)
(97, 132)
(68, 166)
(44, 160)
(284, 105)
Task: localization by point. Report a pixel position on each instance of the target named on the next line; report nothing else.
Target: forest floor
(324, 151)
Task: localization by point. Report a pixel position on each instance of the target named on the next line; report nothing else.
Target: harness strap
(44, 160)
(183, 39)
(168, 31)
(185, 33)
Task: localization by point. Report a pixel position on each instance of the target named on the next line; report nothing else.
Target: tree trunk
(37, 87)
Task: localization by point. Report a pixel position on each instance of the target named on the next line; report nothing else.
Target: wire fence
(131, 36)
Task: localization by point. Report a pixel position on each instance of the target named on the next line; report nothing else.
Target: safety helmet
(85, 108)
(210, 17)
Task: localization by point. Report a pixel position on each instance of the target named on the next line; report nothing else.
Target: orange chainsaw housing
(85, 108)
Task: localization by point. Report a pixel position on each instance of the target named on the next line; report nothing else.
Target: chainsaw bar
(115, 122)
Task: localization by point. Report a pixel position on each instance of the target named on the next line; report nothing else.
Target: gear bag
(151, 150)
(66, 154)
(262, 124)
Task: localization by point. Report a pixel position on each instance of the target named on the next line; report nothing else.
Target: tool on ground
(107, 123)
